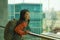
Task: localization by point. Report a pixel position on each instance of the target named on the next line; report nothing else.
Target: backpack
(9, 33)
(9, 30)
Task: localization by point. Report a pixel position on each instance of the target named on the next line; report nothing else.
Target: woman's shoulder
(24, 22)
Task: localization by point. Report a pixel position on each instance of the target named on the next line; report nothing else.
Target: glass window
(44, 14)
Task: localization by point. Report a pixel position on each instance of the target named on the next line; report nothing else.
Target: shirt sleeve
(19, 29)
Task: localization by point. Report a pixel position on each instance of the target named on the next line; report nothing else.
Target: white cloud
(52, 3)
(14, 1)
(32, 1)
(55, 4)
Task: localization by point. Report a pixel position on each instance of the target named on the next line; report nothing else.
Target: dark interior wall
(3, 12)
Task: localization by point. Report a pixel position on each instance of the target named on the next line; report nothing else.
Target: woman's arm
(19, 29)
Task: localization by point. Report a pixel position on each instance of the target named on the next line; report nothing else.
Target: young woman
(22, 27)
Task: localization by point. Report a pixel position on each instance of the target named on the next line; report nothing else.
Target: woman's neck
(26, 20)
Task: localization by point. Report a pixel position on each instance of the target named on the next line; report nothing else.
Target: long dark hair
(22, 18)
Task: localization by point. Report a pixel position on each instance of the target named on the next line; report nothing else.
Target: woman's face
(27, 15)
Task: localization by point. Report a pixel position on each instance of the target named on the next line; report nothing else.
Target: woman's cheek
(28, 18)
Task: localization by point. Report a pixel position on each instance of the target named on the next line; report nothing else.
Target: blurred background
(44, 14)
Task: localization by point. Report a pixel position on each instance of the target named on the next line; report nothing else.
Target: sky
(47, 4)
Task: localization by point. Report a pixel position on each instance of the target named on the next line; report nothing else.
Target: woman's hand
(27, 31)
